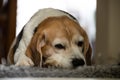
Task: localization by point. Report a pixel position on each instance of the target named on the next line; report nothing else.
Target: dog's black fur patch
(69, 15)
(35, 30)
(19, 37)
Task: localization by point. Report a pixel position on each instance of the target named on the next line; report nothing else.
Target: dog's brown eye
(59, 46)
(80, 43)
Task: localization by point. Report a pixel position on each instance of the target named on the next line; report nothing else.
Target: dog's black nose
(77, 62)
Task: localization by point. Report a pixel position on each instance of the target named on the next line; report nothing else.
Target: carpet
(111, 71)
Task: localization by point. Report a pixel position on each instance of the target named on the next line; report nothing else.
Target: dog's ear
(40, 43)
(88, 55)
(87, 50)
(34, 49)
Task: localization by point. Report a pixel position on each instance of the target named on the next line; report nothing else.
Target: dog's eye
(59, 46)
(80, 43)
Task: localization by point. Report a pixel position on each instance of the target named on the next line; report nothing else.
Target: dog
(51, 38)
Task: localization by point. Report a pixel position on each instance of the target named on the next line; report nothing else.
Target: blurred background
(100, 19)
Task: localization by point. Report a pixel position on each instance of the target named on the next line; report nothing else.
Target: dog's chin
(55, 64)
(57, 67)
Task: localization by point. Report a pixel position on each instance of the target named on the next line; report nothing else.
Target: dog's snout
(77, 62)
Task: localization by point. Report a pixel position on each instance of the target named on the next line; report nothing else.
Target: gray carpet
(82, 72)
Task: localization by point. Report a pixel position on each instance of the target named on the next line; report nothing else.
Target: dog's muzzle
(75, 62)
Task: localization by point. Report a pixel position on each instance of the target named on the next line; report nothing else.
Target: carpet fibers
(81, 72)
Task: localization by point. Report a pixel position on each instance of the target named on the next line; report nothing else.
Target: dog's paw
(24, 61)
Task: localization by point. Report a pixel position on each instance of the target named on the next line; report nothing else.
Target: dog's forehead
(62, 27)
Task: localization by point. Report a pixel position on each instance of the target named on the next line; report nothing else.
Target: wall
(107, 36)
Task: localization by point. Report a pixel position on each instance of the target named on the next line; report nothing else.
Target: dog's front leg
(20, 58)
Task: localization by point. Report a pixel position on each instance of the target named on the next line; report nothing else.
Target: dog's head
(60, 42)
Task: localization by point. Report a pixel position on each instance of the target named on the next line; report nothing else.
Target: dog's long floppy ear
(34, 49)
(88, 55)
(40, 43)
(87, 51)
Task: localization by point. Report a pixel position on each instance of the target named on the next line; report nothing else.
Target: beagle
(51, 38)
